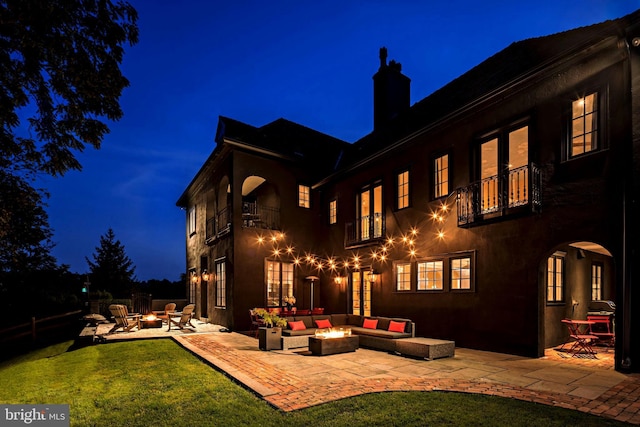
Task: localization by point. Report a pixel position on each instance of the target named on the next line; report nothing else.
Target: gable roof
(513, 63)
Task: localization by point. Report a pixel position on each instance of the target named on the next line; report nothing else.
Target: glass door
(360, 293)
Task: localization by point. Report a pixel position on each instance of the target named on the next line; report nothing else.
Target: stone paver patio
(292, 379)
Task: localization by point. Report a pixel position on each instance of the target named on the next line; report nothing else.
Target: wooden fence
(38, 327)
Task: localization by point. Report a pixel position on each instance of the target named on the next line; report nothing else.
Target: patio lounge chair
(182, 319)
(123, 319)
(164, 314)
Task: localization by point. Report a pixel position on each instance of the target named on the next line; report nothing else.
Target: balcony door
(370, 212)
(503, 168)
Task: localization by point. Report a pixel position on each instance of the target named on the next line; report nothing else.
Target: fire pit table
(333, 342)
(150, 322)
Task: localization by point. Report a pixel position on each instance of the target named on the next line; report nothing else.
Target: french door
(360, 293)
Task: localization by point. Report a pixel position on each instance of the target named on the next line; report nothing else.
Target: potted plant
(270, 319)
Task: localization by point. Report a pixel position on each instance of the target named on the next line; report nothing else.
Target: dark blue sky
(256, 61)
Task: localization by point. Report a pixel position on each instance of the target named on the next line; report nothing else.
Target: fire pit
(333, 341)
(150, 321)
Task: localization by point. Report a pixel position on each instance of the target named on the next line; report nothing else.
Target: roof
(318, 152)
(512, 63)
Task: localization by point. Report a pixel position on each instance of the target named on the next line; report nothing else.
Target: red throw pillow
(323, 323)
(370, 323)
(297, 325)
(396, 326)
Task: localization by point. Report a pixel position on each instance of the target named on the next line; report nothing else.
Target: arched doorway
(573, 277)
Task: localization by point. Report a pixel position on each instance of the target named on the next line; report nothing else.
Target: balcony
(500, 195)
(218, 225)
(363, 230)
(259, 216)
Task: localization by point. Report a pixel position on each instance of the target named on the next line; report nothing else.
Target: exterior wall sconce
(194, 277)
(338, 280)
(205, 275)
(373, 276)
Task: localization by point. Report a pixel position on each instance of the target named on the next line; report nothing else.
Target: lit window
(333, 212)
(403, 277)
(279, 282)
(221, 284)
(441, 176)
(430, 275)
(303, 196)
(584, 125)
(191, 221)
(596, 282)
(403, 190)
(461, 273)
(555, 278)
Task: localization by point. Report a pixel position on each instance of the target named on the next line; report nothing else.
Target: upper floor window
(402, 181)
(596, 281)
(555, 278)
(370, 212)
(403, 276)
(191, 221)
(333, 211)
(584, 125)
(304, 200)
(503, 160)
(441, 176)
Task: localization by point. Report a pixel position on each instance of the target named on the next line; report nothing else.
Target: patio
(291, 379)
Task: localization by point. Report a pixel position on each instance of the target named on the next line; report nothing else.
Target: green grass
(119, 384)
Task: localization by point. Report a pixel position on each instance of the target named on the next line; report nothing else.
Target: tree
(25, 236)
(112, 269)
(60, 60)
(59, 82)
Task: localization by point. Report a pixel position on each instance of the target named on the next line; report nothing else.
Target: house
(487, 212)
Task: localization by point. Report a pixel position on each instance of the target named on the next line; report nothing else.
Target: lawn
(118, 384)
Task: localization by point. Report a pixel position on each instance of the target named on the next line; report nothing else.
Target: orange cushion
(297, 325)
(370, 323)
(323, 323)
(396, 326)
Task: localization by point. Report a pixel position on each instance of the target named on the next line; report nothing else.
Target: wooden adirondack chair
(123, 319)
(182, 319)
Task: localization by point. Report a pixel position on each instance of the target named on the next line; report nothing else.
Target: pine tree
(112, 270)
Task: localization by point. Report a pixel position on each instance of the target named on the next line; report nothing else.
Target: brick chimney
(391, 91)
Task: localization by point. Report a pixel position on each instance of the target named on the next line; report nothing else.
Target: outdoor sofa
(376, 332)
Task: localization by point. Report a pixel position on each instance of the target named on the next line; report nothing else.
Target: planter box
(270, 338)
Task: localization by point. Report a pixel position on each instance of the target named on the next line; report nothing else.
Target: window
(584, 125)
(193, 280)
(555, 278)
(191, 221)
(430, 276)
(503, 169)
(596, 281)
(370, 212)
(304, 200)
(403, 190)
(461, 273)
(221, 284)
(279, 282)
(333, 212)
(403, 277)
(441, 176)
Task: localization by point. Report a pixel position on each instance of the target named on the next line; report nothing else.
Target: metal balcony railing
(498, 194)
(364, 229)
(255, 215)
(218, 225)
